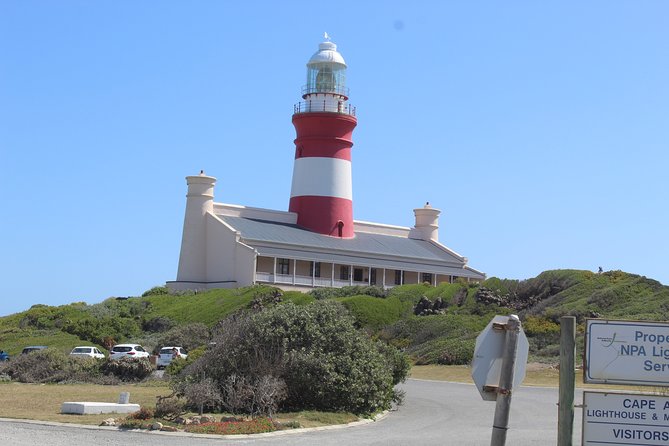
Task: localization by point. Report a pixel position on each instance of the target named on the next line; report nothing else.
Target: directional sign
(626, 352)
(625, 419)
(488, 356)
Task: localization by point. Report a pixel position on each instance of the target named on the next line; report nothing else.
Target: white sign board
(625, 419)
(626, 352)
(488, 356)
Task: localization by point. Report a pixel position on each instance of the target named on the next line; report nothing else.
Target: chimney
(427, 223)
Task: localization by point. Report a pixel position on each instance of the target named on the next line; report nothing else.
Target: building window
(357, 274)
(316, 269)
(399, 277)
(283, 266)
(344, 272)
(372, 276)
(427, 277)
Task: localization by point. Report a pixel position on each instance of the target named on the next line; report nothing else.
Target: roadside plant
(300, 357)
(144, 413)
(127, 369)
(170, 407)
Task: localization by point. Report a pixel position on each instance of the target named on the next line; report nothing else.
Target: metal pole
(567, 377)
(503, 405)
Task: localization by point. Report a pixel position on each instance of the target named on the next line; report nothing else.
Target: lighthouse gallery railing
(324, 106)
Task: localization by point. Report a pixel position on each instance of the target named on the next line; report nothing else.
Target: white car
(87, 352)
(167, 354)
(132, 351)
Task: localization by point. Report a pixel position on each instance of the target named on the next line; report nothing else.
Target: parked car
(128, 351)
(87, 352)
(167, 354)
(4, 356)
(33, 348)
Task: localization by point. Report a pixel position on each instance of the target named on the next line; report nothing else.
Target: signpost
(626, 352)
(625, 419)
(500, 353)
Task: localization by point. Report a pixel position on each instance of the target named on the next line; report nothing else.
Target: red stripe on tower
(322, 191)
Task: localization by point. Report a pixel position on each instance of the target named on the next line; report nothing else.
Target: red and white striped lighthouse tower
(322, 192)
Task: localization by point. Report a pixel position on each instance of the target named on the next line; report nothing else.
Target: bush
(178, 364)
(156, 291)
(374, 313)
(43, 366)
(188, 336)
(331, 293)
(128, 369)
(169, 408)
(202, 393)
(157, 324)
(144, 413)
(325, 363)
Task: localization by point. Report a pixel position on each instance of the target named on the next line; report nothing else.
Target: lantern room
(326, 72)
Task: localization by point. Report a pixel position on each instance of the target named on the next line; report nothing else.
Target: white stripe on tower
(322, 177)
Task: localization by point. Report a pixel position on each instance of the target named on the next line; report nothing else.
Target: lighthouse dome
(327, 53)
(326, 72)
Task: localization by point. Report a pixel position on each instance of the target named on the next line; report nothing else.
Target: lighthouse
(322, 192)
(316, 243)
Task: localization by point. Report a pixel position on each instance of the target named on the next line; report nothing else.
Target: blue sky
(540, 129)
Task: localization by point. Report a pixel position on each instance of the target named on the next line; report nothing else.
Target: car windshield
(166, 351)
(121, 349)
(81, 350)
(32, 349)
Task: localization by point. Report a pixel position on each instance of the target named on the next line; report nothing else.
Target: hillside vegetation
(451, 315)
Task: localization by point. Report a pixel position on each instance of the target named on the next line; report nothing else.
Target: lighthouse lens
(324, 78)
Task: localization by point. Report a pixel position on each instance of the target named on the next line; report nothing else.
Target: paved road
(434, 413)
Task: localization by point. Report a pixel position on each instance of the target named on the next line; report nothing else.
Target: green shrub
(536, 325)
(325, 362)
(357, 290)
(372, 312)
(188, 336)
(177, 365)
(42, 366)
(156, 291)
(127, 369)
(157, 324)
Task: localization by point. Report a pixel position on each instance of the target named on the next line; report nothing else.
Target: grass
(373, 312)
(14, 340)
(536, 375)
(43, 401)
(311, 418)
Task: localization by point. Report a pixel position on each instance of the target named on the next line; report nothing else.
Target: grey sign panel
(626, 352)
(625, 419)
(489, 354)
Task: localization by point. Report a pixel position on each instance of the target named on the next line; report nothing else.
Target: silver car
(87, 352)
(167, 354)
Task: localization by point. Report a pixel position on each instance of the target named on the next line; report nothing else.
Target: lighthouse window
(344, 272)
(357, 274)
(427, 277)
(283, 266)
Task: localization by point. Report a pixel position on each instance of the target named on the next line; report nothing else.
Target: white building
(316, 242)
